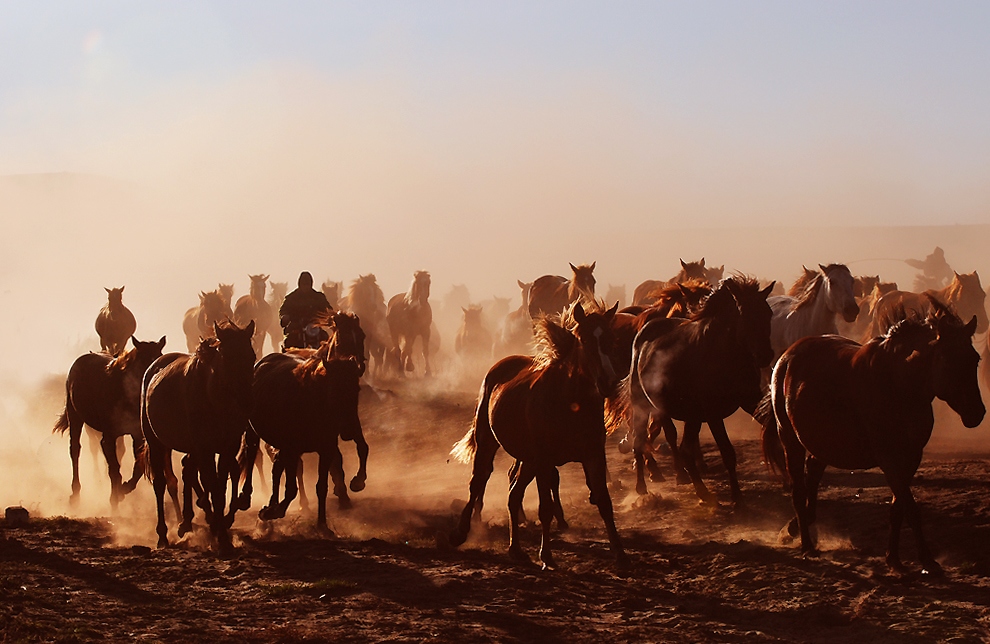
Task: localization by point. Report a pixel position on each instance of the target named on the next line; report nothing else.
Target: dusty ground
(698, 574)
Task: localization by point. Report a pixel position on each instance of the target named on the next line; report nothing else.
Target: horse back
(90, 394)
(548, 295)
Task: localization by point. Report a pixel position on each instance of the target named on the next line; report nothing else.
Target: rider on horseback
(300, 312)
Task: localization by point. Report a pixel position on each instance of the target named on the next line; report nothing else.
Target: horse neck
(915, 376)
(815, 318)
(257, 290)
(576, 291)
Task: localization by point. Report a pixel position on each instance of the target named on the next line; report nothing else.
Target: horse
(115, 323)
(834, 402)
(860, 330)
(409, 316)
(545, 411)
(473, 340)
(550, 294)
(827, 294)
(700, 370)
(515, 336)
(964, 294)
(104, 392)
(254, 307)
(643, 295)
(226, 292)
(366, 300)
(199, 404)
(331, 290)
(198, 322)
(279, 289)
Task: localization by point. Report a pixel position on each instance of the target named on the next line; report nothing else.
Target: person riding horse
(935, 271)
(300, 309)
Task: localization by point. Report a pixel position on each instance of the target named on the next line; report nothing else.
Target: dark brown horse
(409, 317)
(198, 321)
(545, 411)
(105, 393)
(550, 294)
(199, 405)
(366, 300)
(115, 322)
(254, 307)
(645, 293)
(837, 403)
(964, 294)
(701, 370)
(302, 402)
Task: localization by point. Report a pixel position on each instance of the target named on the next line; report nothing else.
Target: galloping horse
(115, 323)
(515, 336)
(409, 316)
(826, 294)
(105, 393)
(254, 307)
(366, 300)
(964, 294)
(645, 293)
(279, 289)
(199, 404)
(836, 403)
(550, 294)
(545, 411)
(198, 322)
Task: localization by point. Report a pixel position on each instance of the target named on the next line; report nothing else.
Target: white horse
(813, 312)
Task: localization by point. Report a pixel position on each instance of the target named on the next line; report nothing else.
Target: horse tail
(248, 454)
(617, 405)
(62, 423)
(773, 450)
(143, 460)
(464, 449)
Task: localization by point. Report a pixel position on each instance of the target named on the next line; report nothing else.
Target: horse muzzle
(850, 313)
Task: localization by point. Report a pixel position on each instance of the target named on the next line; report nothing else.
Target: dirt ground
(698, 573)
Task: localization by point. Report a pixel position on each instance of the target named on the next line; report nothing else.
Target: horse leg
(799, 496)
(214, 488)
(815, 469)
(301, 485)
(594, 476)
(75, 446)
(227, 470)
(558, 509)
(137, 444)
(358, 482)
(157, 453)
(109, 445)
(426, 352)
(651, 463)
(291, 463)
(321, 493)
(521, 476)
(728, 452)
(904, 506)
(171, 483)
(544, 483)
(691, 450)
(189, 483)
(670, 434)
(481, 471)
(336, 464)
(243, 468)
(274, 509)
(638, 423)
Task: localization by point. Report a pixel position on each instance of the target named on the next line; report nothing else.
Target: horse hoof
(162, 542)
(624, 446)
(225, 550)
(811, 553)
(270, 513)
(548, 563)
(457, 538)
(683, 478)
(324, 531)
(516, 553)
(357, 485)
(74, 500)
(932, 569)
(563, 526)
(641, 488)
(344, 503)
(184, 529)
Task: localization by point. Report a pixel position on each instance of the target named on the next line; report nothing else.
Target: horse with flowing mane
(515, 336)
(199, 321)
(551, 294)
(700, 370)
(964, 294)
(409, 316)
(826, 294)
(833, 402)
(254, 307)
(199, 405)
(104, 392)
(366, 300)
(545, 411)
(644, 295)
(115, 323)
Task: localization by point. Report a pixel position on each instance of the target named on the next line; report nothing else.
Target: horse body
(545, 411)
(964, 294)
(409, 316)
(515, 336)
(473, 340)
(254, 307)
(198, 322)
(551, 294)
(115, 323)
(199, 404)
(105, 393)
(837, 403)
(366, 300)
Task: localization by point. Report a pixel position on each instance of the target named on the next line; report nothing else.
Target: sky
(486, 142)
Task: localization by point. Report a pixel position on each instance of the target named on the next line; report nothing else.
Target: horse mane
(811, 290)
(208, 349)
(121, 362)
(801, 283)
(365, 287)
(554, 342)
(414, 295)
(669, 293)
(312, 366)
(713, 304)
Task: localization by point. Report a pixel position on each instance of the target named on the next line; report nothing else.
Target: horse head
(525, 287)
(226, 292)
(237, 358)
(595, 339)
(583, 280)
(969, 298)
(714, 274)
(258, 286)
(472, 317)
(420, 289)
(348, 339)
(954, 368)
(115, 295)
(148, 352)
(754, 316)
(692, 270)
(863, 285)
(839, 296)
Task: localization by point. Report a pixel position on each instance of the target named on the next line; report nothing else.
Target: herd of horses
(839, 371)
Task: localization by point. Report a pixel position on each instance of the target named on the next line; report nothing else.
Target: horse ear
(520, 284)
(702, 262)
(161, 342)
(683, 265)
(572, 267)
(579, 313)
(106, 289)
(134, 342)
(609, 314)
(250, 328)
(122, 289)
(768, 290)
(593, 264)
(464, 309)
(216, 329)
(821, 267)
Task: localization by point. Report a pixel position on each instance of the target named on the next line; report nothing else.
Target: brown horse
(550, 294)
(366, 300)
(645, 293)
(115, 323)
(275, 299)
(331, 290)
(515, 336)
(105, 393)
(409, 316)
(254, 307)
(198, 322)
(964, 294)
(701, 370)
(199, 404)
(473, 339)
(836, 403)
(545, 411)
(860, 329)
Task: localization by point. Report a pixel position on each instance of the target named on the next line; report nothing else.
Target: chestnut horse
(254, 307)
(115, 322)
(550, 294)
(199, 404)
(701, 370)
(645, 293)
(964, 294)
(198, 321)
(105, 393)
(836, 403)
(545, 411)
(410, 316)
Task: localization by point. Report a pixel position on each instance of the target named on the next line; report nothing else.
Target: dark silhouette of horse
(515, 336)
(964, 294)
(550, 294)
(332, 290)
(545, 411)
(409, 317)
(198, 322)
(104, 392)
(701, 370)
(199, 405)
(836, 403)
(645, 293)
(366, 300)
(275, 299)
(254, 307)
(473, 340)
(115, 323)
